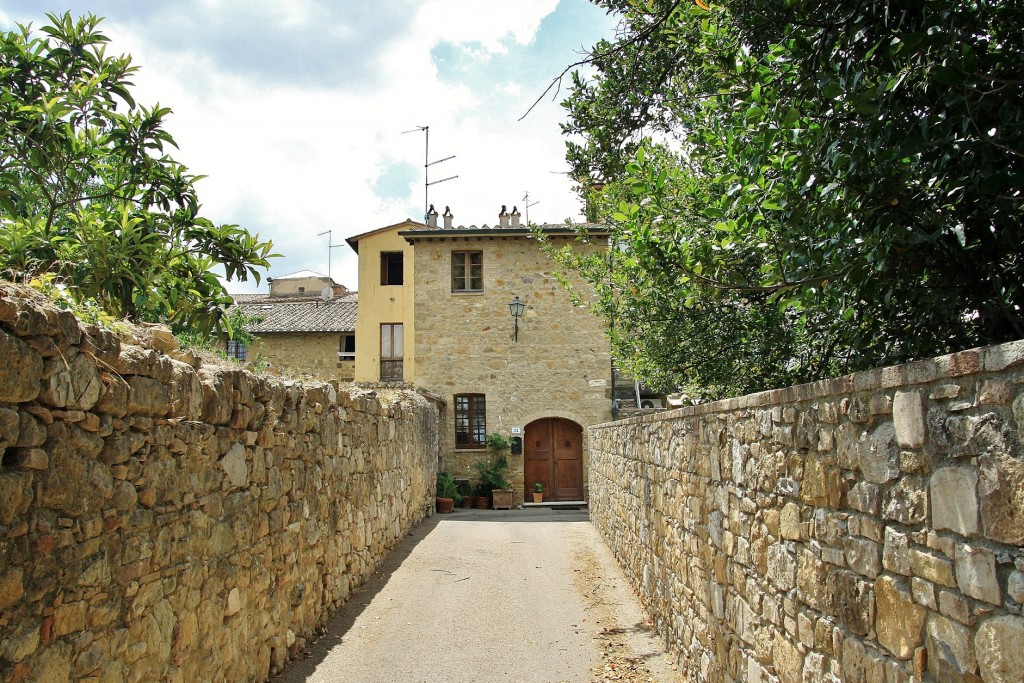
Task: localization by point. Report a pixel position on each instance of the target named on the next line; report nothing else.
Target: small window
(392, 350)
(391, 267)
(302, 290)
(467, 271)
(347, 347)
(237, 349)
(470, 421)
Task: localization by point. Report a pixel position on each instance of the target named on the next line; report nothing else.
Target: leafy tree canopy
(89, 193)
(802, 188)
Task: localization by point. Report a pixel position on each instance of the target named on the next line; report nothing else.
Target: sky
(297, 111)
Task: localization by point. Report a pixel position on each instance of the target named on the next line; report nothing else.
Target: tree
(89, 193)
(857, 166)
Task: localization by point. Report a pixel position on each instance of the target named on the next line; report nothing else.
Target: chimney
(432, 217)
(503, 217)
(447, 218)
(338, 290)
(515, 217)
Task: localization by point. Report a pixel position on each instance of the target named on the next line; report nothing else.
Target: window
(391, 350)
(467, 271)
(470, 421)
(391, 267)
(347, 347)
(237, 349)
(302, 290)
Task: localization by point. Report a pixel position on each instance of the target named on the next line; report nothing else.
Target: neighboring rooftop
(292, 314)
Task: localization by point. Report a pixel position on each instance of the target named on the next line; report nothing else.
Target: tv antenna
(528, 204)
(427, 163)
(330, 238)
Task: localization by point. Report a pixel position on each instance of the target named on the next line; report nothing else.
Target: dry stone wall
(166, 522)
(865, 529)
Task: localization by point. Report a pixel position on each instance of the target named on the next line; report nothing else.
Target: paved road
(482, 596)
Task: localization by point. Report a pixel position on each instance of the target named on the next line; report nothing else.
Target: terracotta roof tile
(299, 314)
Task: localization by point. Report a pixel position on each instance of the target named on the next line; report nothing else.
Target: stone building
(538, 379)
(306, 325)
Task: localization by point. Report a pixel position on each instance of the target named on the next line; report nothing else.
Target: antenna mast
(329, 240)
(527, 204)
(427, 163)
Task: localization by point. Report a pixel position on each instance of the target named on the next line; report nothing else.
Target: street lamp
(516, 308)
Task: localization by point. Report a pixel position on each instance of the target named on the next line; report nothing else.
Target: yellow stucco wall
(380, 304)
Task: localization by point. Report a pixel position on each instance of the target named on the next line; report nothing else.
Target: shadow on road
(341, 621)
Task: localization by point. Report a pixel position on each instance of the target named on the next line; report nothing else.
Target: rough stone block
(998, 645)
(954, 496)
(899, 622)
(906, 500)
(21, 372)
(1001, 489)
(950, 649)
(878, 456)
(976, 573)
(863, 556)
(908, 419)
(851, 601)
(932, 567)
(896, 552)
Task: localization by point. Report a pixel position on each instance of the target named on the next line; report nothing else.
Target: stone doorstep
(555, 504)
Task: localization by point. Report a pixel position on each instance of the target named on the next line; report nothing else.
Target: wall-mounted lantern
(516, 308)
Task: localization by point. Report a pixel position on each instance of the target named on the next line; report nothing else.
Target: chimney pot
(432, 217)
(515, 217)
(503, 217)
(448, 217)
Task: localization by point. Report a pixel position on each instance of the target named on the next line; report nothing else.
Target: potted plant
(447, 492)
(538, 492)
(482, 499)
(467, 498)
(492, 474)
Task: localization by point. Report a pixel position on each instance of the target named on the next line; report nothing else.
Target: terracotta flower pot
(538, 497)
(482, 502)
(445, 504)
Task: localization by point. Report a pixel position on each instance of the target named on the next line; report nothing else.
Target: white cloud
(296, 111)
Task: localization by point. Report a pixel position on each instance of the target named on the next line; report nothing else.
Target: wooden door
(553, 455)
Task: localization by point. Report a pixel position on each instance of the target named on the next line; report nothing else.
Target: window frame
(342, 353)
(465, 255)
(473, 418)
(386, 268)
(237, 350)
(388, 363)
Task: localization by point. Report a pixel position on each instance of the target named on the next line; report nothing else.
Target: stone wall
(294, 353)
(163, 522)
(866, 529)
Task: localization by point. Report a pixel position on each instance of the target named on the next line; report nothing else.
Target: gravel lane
(486, 596)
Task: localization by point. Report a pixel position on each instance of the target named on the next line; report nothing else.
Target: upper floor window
(470, 421)
(391, 265)
(237, 349)
(467, 271)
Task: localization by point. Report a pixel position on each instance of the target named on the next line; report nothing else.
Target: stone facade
(295, 353)
(161, 521)
(560, 367)
(864, 529)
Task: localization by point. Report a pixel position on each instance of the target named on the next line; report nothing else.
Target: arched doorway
(553, 455)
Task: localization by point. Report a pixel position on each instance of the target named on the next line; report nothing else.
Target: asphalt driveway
(487, 596)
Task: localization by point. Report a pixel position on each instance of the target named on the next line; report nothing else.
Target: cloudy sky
(295, 110)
